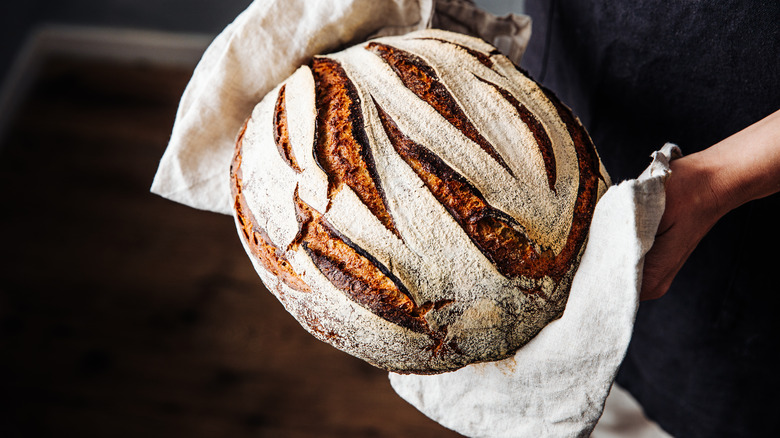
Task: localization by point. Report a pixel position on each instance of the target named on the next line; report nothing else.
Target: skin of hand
(702, 188)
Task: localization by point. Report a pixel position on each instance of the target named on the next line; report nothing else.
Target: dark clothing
(703, 359)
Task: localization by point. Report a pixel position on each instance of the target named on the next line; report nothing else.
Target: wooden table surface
(123, 314)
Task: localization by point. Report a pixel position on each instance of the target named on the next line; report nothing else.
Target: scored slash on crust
(499, 237)
(421, 79)
(587, 191)
(494, 232)
(344, 264)
(484, 58)
(342, 149)
(282, 133)
(269, 255)
(356, 273)
(537, 129)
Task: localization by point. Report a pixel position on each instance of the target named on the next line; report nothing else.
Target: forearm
(742, 167)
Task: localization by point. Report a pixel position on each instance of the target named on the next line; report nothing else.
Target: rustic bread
(416, 201)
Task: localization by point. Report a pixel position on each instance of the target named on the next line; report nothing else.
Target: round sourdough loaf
(416, 201)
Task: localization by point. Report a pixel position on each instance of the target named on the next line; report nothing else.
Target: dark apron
(703, 360)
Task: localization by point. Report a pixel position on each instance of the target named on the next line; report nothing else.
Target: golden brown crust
(481, 57)
(421, 79)
(353, 271)
(269, 255)
(537, 129)
(342, 149)
(587, 192)
(282, 133)
(494, 232)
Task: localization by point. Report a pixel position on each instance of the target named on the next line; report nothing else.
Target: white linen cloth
(554, 386)
(263, 46)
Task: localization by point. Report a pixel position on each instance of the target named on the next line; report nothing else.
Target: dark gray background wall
(19, 18)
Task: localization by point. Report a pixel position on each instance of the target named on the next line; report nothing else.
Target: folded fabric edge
(186, 185)
(184, 194)
(509, 33)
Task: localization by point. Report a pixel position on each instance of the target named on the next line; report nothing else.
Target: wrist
(699, 187)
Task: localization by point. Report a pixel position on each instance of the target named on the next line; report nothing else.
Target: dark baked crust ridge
(481, 57)
(361, 278)
(537, 129)
(494, 232)
(421, 79)
(342, 149)
(350, 269)
(587, 191)
(364, 280)
(282, 134)
(269, 255)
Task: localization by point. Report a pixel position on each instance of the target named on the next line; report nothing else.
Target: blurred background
(123, 314)
(19, 21)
